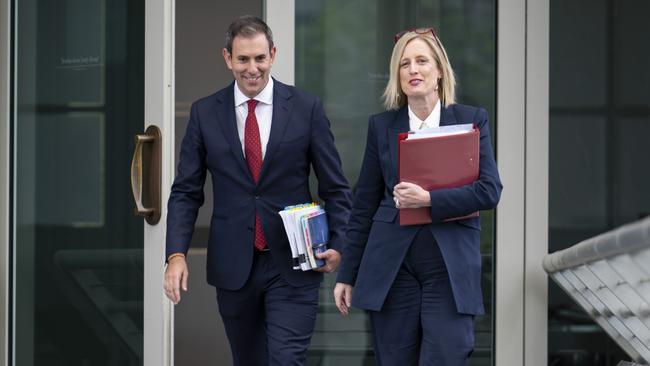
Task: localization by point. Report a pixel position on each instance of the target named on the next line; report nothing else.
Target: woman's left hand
(409, 195)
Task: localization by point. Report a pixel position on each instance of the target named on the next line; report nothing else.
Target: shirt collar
(265, 96)
(432, 120)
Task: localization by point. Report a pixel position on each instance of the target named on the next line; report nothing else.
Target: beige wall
(199, 338)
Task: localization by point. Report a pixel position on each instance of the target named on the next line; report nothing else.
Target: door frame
(159, 111)
(5, 84)
(521, 287)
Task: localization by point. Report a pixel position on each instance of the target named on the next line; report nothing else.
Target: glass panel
(632, 81)
(633, 177)
(77, 248)
(597, 149)
(73, 196)
(581, 201)
(342, 53)
(583, 42)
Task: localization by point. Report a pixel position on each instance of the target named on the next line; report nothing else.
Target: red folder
(436, 163)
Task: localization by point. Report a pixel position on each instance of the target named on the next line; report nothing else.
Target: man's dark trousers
(268, 320)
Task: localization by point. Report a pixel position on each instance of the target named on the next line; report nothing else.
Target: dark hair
(247, 26)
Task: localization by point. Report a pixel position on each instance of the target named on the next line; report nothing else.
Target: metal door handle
(145, 175)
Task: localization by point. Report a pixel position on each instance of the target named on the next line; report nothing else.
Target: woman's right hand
(343, 297)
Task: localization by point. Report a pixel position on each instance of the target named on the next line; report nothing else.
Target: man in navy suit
(259, 139)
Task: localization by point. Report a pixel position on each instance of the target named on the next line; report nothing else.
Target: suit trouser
(418, 323)
(268, 321)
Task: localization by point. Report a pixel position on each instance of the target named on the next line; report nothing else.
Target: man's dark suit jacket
(300, 139)
(377, 244)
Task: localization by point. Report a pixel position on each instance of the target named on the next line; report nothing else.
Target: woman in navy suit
(419, 283)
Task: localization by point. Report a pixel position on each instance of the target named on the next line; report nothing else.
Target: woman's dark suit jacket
(377, 244)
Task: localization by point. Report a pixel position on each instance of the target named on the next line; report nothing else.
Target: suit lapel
(447, 116)
(400, 124)
(282, 106)
(226, 117)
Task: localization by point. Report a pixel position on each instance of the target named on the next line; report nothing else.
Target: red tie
(253, 151)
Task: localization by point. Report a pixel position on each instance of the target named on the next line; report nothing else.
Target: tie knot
(252, 103)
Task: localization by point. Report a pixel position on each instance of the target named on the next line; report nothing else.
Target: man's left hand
(332, 259)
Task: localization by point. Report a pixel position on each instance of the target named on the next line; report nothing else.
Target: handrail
(624, 239)
(609, 277)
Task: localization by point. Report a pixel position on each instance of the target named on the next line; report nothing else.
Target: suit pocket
(472, 223)
(385, 214)
(295, 138)
(293, 148)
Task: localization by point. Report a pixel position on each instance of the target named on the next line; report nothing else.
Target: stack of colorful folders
(308, 233)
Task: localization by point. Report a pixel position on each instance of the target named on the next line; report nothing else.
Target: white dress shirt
(263, 112)
(433, 120)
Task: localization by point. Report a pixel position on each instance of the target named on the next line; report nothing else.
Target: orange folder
(436, 163)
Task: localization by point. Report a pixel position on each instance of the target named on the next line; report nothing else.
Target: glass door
(329, 31)
(86, 278)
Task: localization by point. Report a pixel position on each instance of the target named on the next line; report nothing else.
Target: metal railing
(609, 277)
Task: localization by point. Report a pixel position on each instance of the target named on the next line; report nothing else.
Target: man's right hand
(343, 297)
(175, 278)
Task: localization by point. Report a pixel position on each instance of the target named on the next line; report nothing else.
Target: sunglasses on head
(417, 31)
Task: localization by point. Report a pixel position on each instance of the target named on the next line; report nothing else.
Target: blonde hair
(394, 97)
